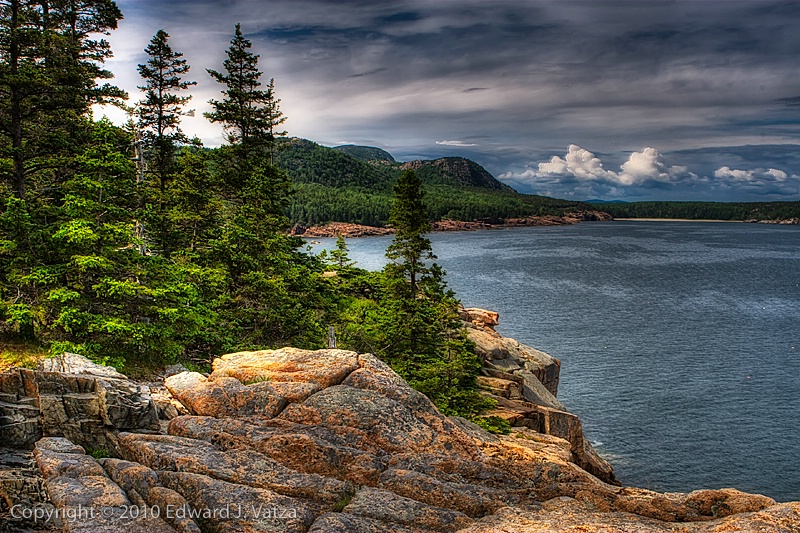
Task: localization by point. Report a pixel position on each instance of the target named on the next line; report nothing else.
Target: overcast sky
(617, 100)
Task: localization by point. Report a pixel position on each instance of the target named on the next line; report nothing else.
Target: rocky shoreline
(323, 441)
(348, 230)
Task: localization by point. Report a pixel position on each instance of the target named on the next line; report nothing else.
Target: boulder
(349, 523)
(223, 397)
(726, 502)
(472, 500)
(247, 467)
(322, 367)
(309, 454)
(491, 347)
(87, 500)
(70, 396)
(480, 318)
(20, 424)
(230, 507)
(349, 446)
(71, 363)
(373, 422)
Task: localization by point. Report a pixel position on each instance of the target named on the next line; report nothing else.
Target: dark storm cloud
(511, 83)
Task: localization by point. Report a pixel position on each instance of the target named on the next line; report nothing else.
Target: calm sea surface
(679, 342)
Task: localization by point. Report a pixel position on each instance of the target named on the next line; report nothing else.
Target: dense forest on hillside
(341, 184)
(704, 210)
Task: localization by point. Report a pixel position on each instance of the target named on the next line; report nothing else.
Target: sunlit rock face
(334, 441)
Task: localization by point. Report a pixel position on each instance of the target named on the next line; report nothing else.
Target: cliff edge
(316, 441)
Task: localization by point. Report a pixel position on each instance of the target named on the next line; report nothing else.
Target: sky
(614, 100)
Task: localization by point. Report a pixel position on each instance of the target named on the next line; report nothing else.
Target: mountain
(308, 162)
(455, 171)
(341, 185)
(366, 153)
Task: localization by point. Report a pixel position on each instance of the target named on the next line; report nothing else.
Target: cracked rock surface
(334, 441)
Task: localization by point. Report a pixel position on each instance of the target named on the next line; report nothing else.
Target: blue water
(679, 342)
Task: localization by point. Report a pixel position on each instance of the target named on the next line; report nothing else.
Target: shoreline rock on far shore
(349, 230)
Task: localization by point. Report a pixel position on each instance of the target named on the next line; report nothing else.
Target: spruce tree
(418, 323)
(160, 111)
(159, 125)
(51, 67)
(250, 114)
(340, 257)
(410, 248)
(50, 64)
(273, 296)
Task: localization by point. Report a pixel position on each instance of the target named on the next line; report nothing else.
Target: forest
(354, 184)
(742, 211)
(138, 247)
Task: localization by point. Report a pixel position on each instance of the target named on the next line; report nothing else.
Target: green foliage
(408, 317)
(339, 257)
(366, 153)
(160, 111)
(50, 64)
(344, 501)
(249, 114)
(493, 424)
(194, 259)
(705, 210)
(99, 453)
(334, 185)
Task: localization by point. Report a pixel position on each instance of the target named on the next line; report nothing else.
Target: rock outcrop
(524, 382)
(69, 396)
(334, 441)
(347, 229)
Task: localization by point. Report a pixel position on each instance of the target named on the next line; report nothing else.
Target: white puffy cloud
(644, 166)
(647, 165)
(751, 176)
(577, 162)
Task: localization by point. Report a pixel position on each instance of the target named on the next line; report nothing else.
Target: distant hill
(308, 162)
(599, 201)
(366, 153)
(348, 184)
(455, 171)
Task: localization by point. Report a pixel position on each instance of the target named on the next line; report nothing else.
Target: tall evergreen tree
(159, 124)
(250, 114)
(272, 294)
(161, 109)
(410, 248)
(417, 325)
(50, 64)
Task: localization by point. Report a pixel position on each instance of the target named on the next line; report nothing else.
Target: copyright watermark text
(84, 514)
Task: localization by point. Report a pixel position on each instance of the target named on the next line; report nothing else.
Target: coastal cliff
(324, 441)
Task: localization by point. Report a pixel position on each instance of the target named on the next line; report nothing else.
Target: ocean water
(679, 341)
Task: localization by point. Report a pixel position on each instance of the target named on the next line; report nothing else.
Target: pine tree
(50, 68)
(418, 323)
(159, 123)
(410, 248)
(250, 115)
(160, 111)
(273, 296)
(340, 256)
(50, 65)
